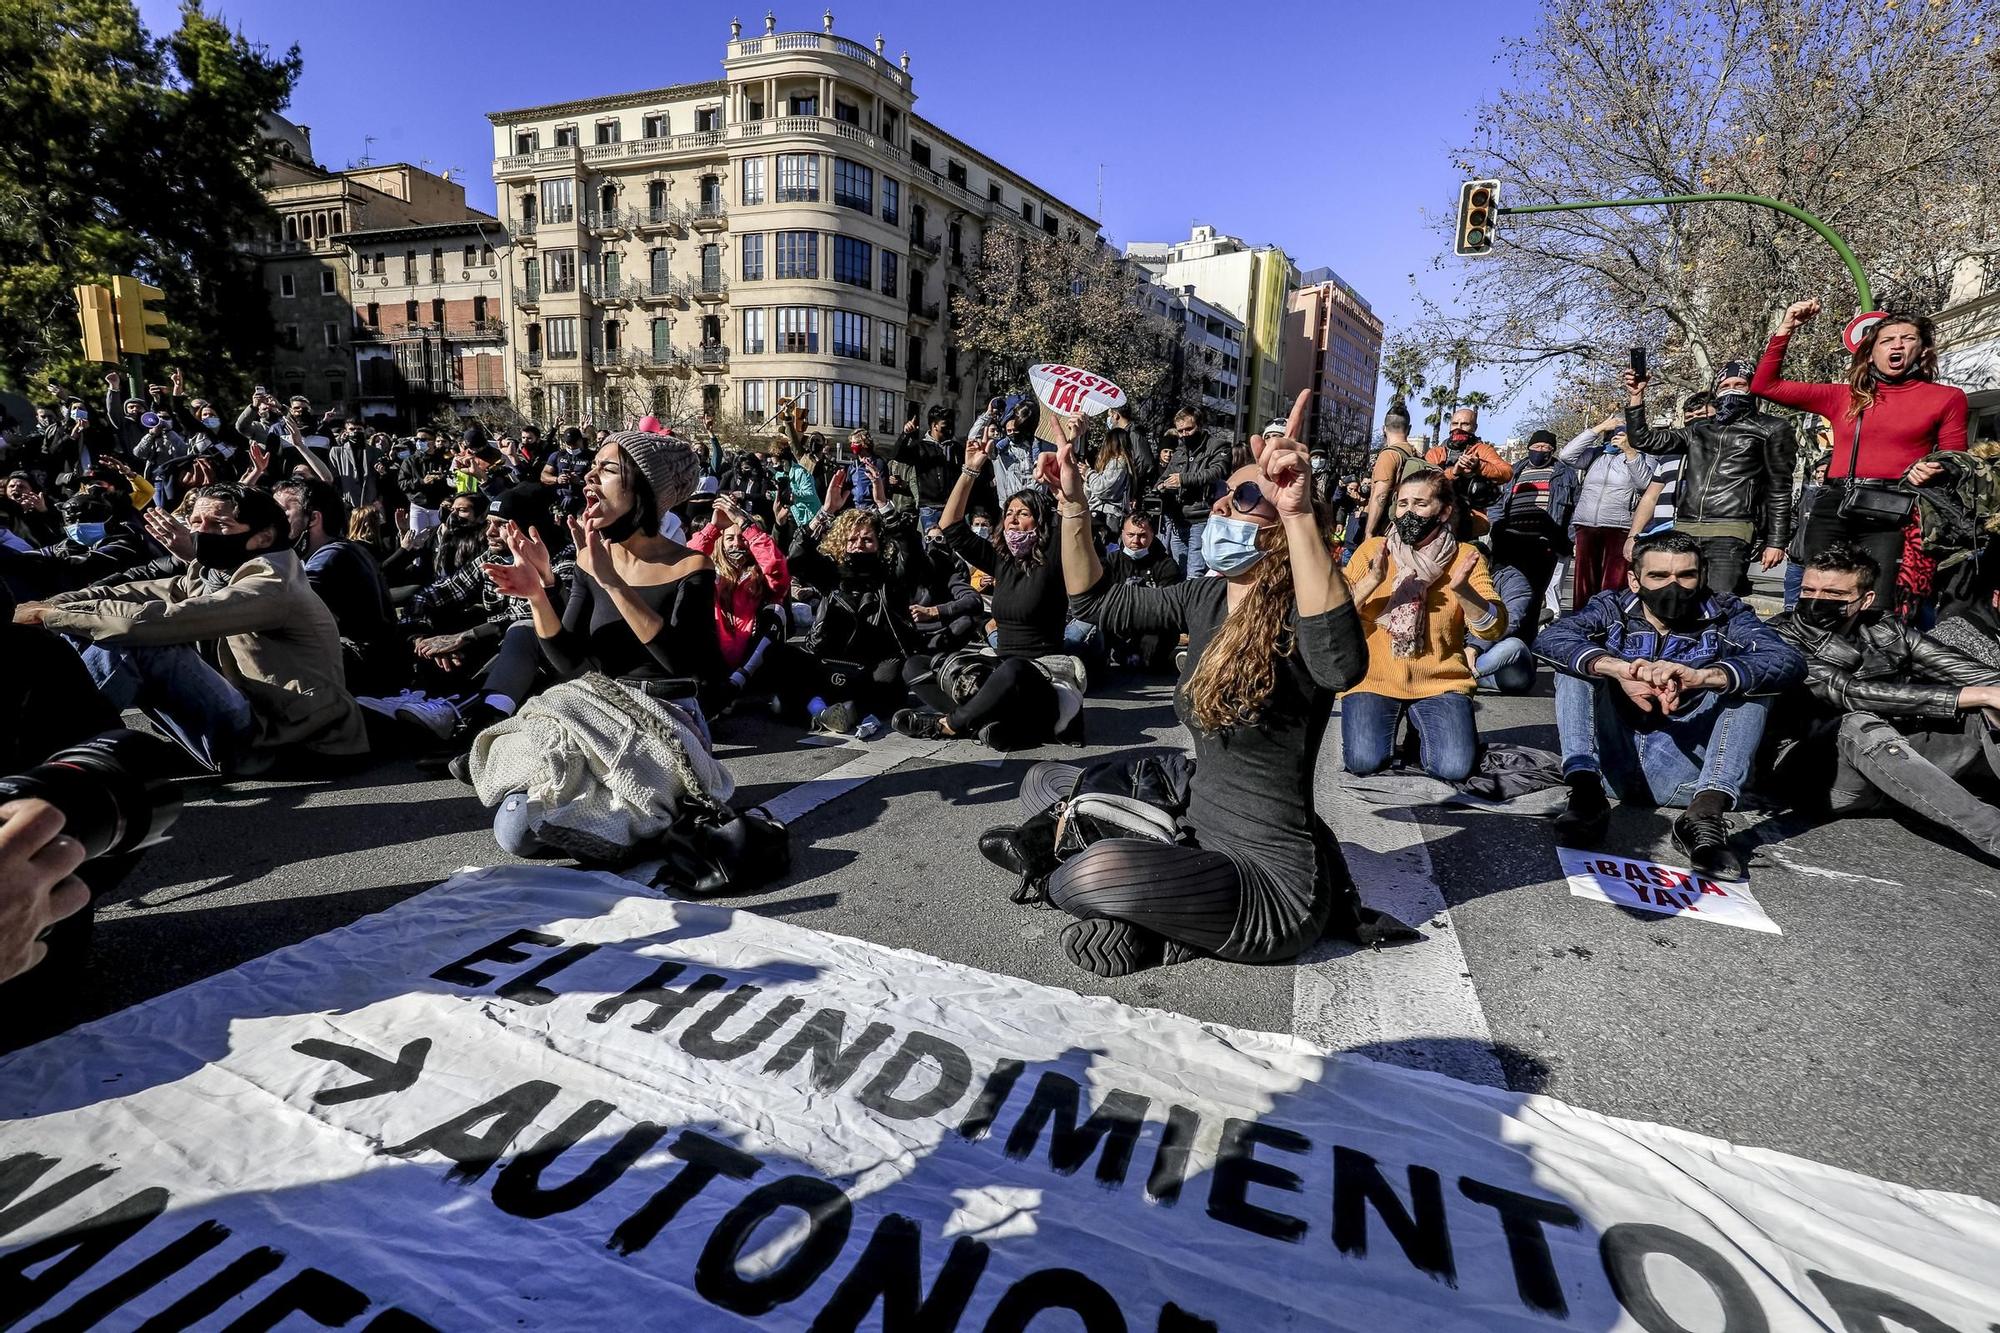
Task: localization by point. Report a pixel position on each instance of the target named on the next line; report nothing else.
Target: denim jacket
(1729, 635)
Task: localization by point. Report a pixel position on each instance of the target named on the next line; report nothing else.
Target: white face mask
(1136, 552)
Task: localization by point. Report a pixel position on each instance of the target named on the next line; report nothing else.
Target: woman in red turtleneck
(1893, 401)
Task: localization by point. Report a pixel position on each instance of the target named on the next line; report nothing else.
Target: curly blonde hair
(834, 545)
(1239, 669)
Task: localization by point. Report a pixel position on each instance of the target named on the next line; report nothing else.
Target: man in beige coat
(237, 657)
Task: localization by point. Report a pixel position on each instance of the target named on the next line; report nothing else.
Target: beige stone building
(792, 230)
(304, 261)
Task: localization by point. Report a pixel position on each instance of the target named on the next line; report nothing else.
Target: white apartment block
(790, 231)
(1211, 354)
(1968, 331)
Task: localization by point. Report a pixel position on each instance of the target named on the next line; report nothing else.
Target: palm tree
(1477, 399)
(1403, 366)
(1461, 357)
(1441, 399)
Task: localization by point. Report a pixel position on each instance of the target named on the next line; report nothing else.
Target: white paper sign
(1669, 890)
(542, 1099)
(1073, 392)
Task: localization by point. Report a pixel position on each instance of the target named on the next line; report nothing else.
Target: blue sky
(1323, 127)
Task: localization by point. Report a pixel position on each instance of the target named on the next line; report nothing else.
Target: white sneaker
(436, 715)
(870, 728)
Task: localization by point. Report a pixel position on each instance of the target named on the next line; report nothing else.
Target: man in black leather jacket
(1197, 462)
(1735, 492)
(1901, 716)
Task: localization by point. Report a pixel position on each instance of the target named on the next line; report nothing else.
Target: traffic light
(100, 327)
(141, 329)
(1478, 211)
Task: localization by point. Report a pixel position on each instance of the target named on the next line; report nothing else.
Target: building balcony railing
(665, 217)
(698, 144)
(363, 333)
(527, 297)
(610, 220)
(528, 363)
(612, 291)
(521, 230)
(709, 214)
(658, 358)
(661, 289)
(922, 375)
(785, 42)
(711, 356)
(479, 329)
(929, 245)
(926, 311)
(711, 289)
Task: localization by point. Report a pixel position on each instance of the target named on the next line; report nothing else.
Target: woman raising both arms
(1270, 642)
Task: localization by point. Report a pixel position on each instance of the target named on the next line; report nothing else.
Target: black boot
(1027, 849)
(1582, 825)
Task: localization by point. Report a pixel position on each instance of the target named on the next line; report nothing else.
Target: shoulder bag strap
(1854, 455)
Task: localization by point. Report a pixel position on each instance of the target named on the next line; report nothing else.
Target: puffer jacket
(1735, 472)
(1882, 666)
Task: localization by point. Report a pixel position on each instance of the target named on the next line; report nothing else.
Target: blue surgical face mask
(211, 423)
(85, 534)
(1229, 545)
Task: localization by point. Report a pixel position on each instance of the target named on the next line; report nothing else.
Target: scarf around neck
(1414, 569)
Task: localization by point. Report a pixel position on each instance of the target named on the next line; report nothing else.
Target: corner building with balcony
(792, 230)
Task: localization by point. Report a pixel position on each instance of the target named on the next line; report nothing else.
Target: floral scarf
(1414, 570)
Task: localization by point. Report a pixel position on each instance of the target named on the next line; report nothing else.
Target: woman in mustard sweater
(1418, 590)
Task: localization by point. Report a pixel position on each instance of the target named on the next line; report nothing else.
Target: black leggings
(1017, 695)
(799, 677)
(1184, 894)
(1825, 526)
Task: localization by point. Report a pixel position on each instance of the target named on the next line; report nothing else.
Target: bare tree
(1876, 117)
(1037, 298)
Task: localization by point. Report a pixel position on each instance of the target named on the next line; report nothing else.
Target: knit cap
(669, 466)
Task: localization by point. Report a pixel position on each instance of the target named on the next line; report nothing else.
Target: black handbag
(723, 850)
(1870, 500)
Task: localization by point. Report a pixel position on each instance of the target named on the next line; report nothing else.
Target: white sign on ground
(1648, 886)
(537, 1098)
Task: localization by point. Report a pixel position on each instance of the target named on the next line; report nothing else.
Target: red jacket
(738, 602)
(1906, 421)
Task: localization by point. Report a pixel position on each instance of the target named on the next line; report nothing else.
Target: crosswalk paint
(875, 758)
(1413, 1005)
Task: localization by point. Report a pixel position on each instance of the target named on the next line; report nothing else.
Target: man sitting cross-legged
(1662, 691)
(1892, 714)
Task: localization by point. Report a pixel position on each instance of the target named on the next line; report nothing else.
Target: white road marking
(1799, 867)
(875, 758)
(1413, 1005)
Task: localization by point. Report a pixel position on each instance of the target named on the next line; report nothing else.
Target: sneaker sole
(417, 720)
(1110, 948)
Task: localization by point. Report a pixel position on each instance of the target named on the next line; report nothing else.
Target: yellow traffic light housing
(1478, 212)
(141, 329)
(100, 325)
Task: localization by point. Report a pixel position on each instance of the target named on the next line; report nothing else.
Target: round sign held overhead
(1074, 392)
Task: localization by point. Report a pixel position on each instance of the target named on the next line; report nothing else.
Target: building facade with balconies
(304, 261)
(792, 230)
(428, 320)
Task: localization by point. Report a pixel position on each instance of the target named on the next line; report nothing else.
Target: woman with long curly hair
(1888, 415)
(867, 564)
(1418, 590)
(1033, 692)
(1251, 874)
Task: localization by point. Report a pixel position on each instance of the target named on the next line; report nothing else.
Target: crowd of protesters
(566, 620)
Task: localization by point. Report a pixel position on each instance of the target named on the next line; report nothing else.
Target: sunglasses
(1246, 497)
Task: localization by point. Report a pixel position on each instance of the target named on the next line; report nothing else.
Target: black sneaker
(1112, 948)
(1583, 824)
(920, 724)
(1704, 840)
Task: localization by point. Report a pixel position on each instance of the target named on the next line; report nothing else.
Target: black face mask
(624, 526)
(221, 550)
(1540, 457)
(864, 566)
(1415, 528)
(1674, 603)
(1733, 407)
(1827, 613)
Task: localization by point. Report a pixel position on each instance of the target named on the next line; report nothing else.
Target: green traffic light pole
(1832, 237)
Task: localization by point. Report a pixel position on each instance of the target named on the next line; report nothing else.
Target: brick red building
(429, 331)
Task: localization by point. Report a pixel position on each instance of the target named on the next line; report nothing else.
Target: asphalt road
(1861, 1035)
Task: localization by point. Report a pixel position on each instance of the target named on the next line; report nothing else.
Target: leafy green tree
(130, 153)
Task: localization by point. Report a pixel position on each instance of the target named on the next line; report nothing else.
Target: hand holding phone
(1639, 363)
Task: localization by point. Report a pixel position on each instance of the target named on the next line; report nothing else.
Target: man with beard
(275, 682)
(1662, 691)
(1735, 496)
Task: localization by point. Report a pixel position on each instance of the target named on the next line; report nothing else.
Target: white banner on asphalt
(537, 1098)
(1648, 886)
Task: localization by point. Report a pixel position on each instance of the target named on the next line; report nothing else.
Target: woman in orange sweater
(1418, 590)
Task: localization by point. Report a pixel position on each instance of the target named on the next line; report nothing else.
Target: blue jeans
(172, 685)
(927, 517)
(1708, 747)
(1507, 667)
(1447, 739)
(1083, 639)
(1795, 574)
(1184, 543)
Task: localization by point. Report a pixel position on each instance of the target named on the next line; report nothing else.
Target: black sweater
(595, 637)
(1252, 794)
(1029, 601)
